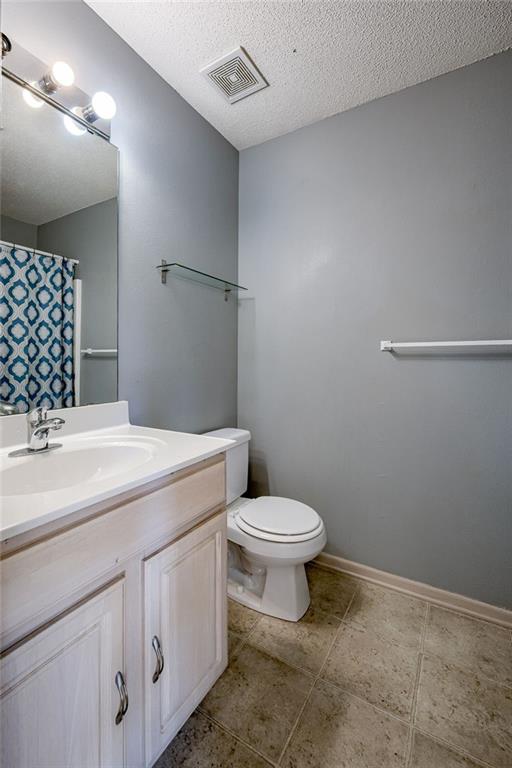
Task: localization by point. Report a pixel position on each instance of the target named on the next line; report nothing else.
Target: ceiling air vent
(235, 75)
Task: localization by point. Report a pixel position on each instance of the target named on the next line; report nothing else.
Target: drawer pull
(159, 658)
(123, 697)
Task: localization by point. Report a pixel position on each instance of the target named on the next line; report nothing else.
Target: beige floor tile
(477, 645)
(337, 730)
(304, 643)
(241, 619)
(391, 614)
(258, 698)
(202, 744)
(427, 753)
(466, 710)
(330, 591)
(374, 668)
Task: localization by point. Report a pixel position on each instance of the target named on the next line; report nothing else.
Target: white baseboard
(434, 595)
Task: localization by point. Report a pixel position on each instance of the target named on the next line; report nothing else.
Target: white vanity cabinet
(185, 638)
(59, 697)
(82, 600)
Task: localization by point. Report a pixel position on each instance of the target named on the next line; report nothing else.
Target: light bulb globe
(30, 99)
(104, 105)
(74, 128)
(63, 74)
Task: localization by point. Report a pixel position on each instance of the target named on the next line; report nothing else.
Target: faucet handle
(37, 415)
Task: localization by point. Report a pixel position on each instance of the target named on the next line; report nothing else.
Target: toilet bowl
(270, 538)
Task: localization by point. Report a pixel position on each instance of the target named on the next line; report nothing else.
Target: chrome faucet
(38, 428)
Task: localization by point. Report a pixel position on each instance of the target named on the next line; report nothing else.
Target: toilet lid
(280, 517)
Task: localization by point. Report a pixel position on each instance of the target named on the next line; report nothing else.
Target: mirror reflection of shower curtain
(77, 339)
(36, 331)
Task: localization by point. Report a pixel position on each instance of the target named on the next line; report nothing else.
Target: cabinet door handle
(159, 658)
(123, 697)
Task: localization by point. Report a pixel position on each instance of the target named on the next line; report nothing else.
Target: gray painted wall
(90, 235)
(177, 200)
(20, 232)
(394, 221)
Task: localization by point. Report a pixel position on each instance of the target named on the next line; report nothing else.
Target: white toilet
(270, 539)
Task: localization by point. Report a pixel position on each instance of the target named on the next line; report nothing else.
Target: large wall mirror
(58, 269)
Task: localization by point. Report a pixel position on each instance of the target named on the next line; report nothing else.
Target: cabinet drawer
(41, 578)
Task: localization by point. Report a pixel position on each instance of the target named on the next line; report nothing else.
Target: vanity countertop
(91, 466)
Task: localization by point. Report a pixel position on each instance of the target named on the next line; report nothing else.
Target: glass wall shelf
(188, 273)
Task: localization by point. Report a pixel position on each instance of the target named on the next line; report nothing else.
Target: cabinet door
(58, 694)
(185, 599)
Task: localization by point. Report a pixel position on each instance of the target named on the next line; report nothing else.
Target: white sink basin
(63, 468)
(91, 466)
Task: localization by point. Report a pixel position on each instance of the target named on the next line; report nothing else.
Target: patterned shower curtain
(36, 329)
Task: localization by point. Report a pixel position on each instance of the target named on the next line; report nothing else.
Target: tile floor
(369, 678)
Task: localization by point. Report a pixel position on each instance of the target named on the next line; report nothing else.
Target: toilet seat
(274, 518)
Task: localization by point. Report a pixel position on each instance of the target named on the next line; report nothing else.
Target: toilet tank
(237, 460)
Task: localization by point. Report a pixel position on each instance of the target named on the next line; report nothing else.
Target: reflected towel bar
(90, 352)
(480, 345)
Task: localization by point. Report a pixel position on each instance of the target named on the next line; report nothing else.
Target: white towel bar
(480, 345)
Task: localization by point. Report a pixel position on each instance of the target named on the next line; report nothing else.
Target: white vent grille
(235, 75)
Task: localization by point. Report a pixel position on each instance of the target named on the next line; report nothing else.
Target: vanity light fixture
(78, 120)
(60, 75)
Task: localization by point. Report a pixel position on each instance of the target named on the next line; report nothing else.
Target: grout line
(414, 702)
(316, 678)
(360, 698)
(405, 721)
(466, 615)
(295, 724)
(244, 636)
(414, 727)
(459, 666)
(342, 623)
(238, 738)
(248, 639)
(456, 748)
(273, 655)
(360, 627)
(426, 597)
(253, 629)
(420, 665)
(244, 639)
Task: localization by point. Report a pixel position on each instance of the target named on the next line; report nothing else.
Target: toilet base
(285, 595)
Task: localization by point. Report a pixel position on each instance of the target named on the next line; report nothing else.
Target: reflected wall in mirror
(58, 268)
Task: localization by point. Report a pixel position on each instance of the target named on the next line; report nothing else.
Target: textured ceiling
(46, 172)
(319, 57)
